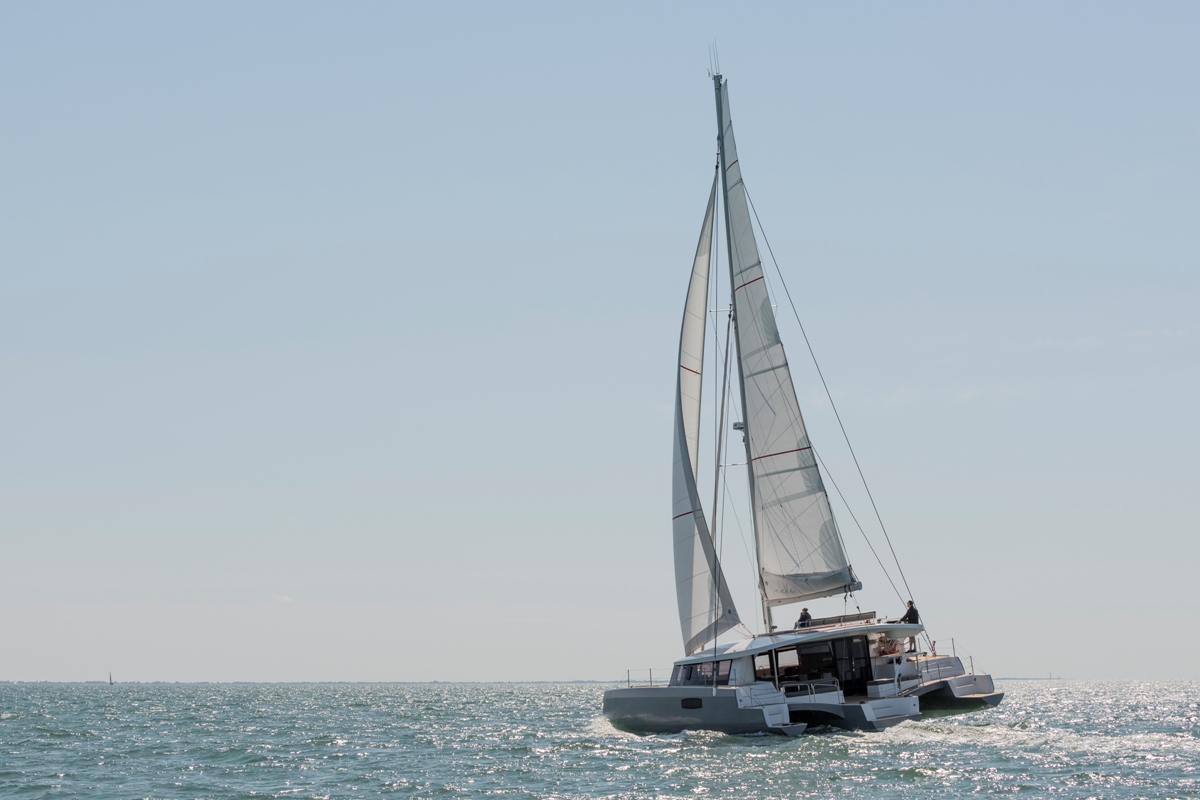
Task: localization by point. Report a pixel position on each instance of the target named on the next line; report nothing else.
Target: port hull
(660, 709)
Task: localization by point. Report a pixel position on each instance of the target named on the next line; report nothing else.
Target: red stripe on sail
(747, 283)
(689, 369)
(684, 514)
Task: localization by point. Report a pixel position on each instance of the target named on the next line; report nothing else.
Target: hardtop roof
(764, 642)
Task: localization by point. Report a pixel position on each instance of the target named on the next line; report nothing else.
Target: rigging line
(718, 576)
(714, 271)
(719, 353)
(727, 502)
(720, 554)
(724, 126)
(725, 483)
(858, 524)
(967, 652)
(718, 520)
(742, 533)
(735, 407)
(722, 480)
(828, 394)
(746, 628)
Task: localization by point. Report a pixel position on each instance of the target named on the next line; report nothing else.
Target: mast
(718, 85)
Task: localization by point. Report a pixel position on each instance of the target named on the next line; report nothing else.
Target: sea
(1068, 739)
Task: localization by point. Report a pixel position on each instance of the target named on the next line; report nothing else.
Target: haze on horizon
(337, 341)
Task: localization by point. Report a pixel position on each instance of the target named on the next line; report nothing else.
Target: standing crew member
(911, 617)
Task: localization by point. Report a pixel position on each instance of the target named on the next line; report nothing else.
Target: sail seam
(785, 472)
(782, 453)
(765, 371)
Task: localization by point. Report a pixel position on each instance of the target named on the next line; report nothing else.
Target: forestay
(800, 552)
(705, 606)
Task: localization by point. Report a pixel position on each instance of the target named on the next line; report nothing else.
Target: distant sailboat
(110, 680)
(846, 670)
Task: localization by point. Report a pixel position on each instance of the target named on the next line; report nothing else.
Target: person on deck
(805, 619)
(911, 617)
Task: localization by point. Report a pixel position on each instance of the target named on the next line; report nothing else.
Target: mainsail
(705, 606)
(800, 552)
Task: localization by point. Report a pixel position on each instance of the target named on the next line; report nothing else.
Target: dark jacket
(911, 616)
(805, 618)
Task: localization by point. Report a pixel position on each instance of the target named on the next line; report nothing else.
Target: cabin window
(705, 674)
(816, 661)
(762, 667)
(807, 662)
(788, 663)
(853, 664)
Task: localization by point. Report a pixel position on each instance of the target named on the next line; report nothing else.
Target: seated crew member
(911, 617)
(805, 619)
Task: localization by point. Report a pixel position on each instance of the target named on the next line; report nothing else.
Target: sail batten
(706, 607)
(799, 548)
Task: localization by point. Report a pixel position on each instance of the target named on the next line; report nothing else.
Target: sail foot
(725, 622)
(706, 608)
(780, 590)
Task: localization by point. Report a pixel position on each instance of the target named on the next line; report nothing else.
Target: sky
(337, 340)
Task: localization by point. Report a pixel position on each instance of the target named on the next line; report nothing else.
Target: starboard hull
(959, 695)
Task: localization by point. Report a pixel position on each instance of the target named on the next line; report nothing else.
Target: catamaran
(856, 671)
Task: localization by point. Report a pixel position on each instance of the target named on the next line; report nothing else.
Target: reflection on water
(1061, 738)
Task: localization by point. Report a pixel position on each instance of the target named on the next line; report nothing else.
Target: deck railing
(842, 619)
(651, 676)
